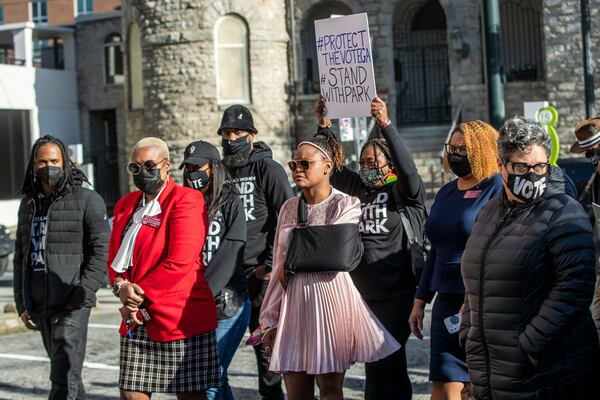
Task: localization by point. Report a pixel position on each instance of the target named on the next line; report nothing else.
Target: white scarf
(124, 257)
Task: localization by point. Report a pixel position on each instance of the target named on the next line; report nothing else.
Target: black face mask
(148, 181)
(459, 165)
(50, 175)
(238, 146)
(528, 187)
(196, 179)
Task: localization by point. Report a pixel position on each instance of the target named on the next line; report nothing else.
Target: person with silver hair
(529, 272)
(168, 342)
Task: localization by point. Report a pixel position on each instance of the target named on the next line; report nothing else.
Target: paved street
(25, 367)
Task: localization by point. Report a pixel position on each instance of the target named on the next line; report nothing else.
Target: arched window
(521, 27)
(231, 57)
(113, 59)
(136, 89)
(421, 66)
(310, 66)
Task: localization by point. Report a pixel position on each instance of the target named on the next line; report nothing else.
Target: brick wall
(102, 6)
(15, 11)
(61, 12)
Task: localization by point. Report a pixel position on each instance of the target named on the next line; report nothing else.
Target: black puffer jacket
(76, 250)
(529, 279)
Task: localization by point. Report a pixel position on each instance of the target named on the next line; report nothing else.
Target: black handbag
(322, 248)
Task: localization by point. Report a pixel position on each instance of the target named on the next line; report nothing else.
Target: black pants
(65, 336)
(269, 383)
(388, 378)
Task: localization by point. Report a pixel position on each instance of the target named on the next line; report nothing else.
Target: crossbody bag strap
(410, 234)
(302, 212)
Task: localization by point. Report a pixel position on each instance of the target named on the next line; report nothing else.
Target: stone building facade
(101, 97)
(179, 62)
(548, 32)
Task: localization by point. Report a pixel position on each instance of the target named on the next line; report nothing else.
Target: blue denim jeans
(230, 333)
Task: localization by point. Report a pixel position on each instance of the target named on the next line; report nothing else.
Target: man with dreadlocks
(60, 260)
(388, 186)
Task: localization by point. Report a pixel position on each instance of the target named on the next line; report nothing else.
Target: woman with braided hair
(390, 189)
(314, 324)
(472, 155)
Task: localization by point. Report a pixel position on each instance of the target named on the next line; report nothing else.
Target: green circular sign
(548, 116)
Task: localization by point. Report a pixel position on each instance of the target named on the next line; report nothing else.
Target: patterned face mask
(593, 155)
(370, 176)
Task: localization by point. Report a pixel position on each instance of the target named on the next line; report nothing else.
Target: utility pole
(493, 62)
(588, 66)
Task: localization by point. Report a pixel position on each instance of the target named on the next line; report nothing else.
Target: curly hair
(481, 140)
(518, 134)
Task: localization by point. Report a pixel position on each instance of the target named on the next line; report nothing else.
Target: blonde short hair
(152, 142)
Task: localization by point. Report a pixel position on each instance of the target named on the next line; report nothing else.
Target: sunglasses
(302, 164)
(135, 168)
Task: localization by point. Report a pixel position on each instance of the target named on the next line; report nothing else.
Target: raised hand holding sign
(345, 65)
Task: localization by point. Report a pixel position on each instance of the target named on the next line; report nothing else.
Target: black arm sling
(322, 248)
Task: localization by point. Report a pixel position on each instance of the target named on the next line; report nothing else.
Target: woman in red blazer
(169, 317)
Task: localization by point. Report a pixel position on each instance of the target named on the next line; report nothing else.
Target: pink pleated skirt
(325, 326)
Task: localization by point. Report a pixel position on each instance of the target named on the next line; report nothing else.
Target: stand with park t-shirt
(385, 270)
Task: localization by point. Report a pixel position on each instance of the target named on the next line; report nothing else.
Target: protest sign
(345, 65)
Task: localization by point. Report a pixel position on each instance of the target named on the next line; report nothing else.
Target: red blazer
(167, 263)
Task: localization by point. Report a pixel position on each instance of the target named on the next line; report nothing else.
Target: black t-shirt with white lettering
(223, 251)
(37, 253)
(385, 270)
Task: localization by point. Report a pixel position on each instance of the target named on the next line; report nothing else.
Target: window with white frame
(231, 57)
(113, 59)
(39, 11)
(85, 7)
(1, 14)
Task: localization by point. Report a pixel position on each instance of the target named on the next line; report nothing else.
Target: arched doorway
(421, 64)
(310, 67)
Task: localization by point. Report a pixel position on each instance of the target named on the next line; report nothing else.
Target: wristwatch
(117, 287)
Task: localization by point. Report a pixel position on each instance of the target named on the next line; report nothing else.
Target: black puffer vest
(529, 278)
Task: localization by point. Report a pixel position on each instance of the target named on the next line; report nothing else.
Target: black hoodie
(263, 187)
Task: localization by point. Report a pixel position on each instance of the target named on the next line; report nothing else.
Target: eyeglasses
(452, 149)
(520, 168)
(135, 168)
(302, 164)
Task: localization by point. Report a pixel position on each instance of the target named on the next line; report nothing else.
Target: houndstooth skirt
(180, 366)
